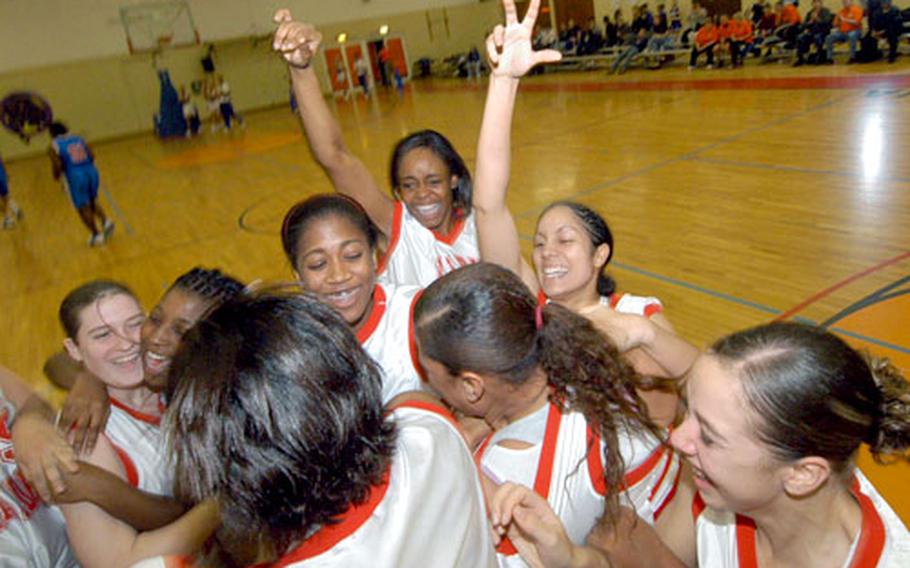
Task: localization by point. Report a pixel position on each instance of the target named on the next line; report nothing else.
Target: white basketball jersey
(417, 256)
(727, 540)
(32, 534)
(629, 304)
(430, 510)
(388, 337)
(140, 444)
(560, 467)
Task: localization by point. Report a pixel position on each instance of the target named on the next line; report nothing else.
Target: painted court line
(116, 209)
(838, 285)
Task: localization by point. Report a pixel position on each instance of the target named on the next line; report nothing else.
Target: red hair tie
(538, 316)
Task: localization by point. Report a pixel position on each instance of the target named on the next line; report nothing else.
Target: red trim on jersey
(745, 542)
(138, 415)
(636, 475)
(650, 309)
(412, 343)
(397, 212)
(869, 546)
(542, 298)
(177, 562)
(375, 316)
(328, 536)
(132, 474)
(596, 463)
(871, 541)
(670, 495)
(698, 505)
(544, 467)
(663, 475)
(457, 228)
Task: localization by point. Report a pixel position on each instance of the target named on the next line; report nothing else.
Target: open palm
(509, 47)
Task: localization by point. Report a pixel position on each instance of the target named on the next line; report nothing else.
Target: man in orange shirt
(740, 38)
(790, 24)
(848, 26)
(705, 40)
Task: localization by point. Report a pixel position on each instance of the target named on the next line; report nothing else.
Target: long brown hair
(482, 318)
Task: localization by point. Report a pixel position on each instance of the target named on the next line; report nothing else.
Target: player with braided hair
(193, 295)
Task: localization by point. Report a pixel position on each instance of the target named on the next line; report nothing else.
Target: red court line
(831, 289)
(744, 83)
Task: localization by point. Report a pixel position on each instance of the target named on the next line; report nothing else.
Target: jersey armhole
(397, 221)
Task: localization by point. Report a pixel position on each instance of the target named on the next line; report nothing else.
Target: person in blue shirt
(72, 158)
(8, 208)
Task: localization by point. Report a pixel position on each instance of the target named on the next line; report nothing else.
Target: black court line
(881, 295)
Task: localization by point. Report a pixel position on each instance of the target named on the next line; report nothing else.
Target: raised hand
(297, 42)
(509, 48)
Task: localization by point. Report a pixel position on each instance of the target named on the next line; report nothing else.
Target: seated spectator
(725, 31)
(675, 17)
(661, 39)
(625, 58)
(758, 11)
(817, 28)
(705, 40)
(767, 25)
(611, 35)
(591, 40)
(694, 21)
(740, 38)
(848, 26)
(888, 25)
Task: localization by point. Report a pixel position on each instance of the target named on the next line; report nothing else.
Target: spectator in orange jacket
(848, 26)
(740, 38)
(705, 40)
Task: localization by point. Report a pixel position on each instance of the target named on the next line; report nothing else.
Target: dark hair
(285, 435)
(599, 233)
(482, 318)
(57, 129)
(439, 145)
(211, 285)
(321, 206)
(86, 295)
(813, 395)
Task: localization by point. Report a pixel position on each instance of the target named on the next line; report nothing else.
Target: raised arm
(511, 57)
(100, 540)
(298, 42)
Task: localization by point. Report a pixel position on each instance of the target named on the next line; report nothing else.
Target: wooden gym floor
(736, 197)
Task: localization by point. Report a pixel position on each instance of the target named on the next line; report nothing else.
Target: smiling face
(425, 187)
(335, 262)
(107, 341)
(163, 330)
(733, 470)
(565, 260)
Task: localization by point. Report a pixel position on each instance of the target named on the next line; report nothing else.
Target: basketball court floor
(737, 197)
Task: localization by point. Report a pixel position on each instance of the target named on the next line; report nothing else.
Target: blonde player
(776, 416)
(331, 245)
(102, 320)
(562, 402)
(572, 243)
(428, 229)
(306, 462)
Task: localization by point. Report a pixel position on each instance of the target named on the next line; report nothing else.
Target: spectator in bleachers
(725, 32)
(764, 31)
(661, 39)
(790, 24)
(694, 21)
(611, 35)
(644, 20)
(591, 40)
(631, 51)
(705, 40)
(740, 38)
(888, 25)
(848, 26)
(758, 11)
(816, 29)
(675, 17)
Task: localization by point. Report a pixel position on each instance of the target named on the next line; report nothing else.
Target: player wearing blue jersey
(8, 208)
(72, 158)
